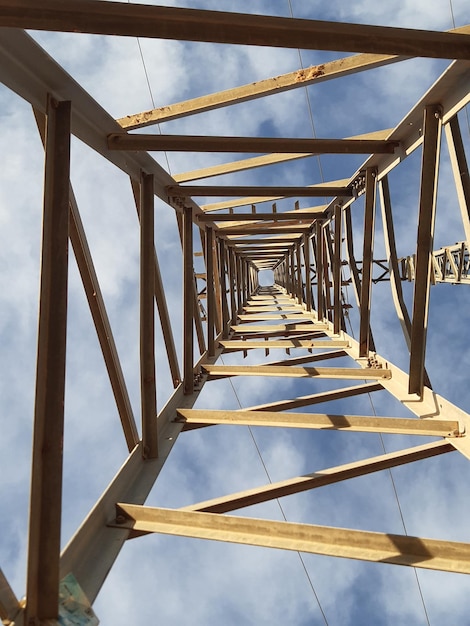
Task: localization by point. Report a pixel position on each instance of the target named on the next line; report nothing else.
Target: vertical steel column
(319, 263)
(98, 311)
(391, 250)
(223, 289)
(244, 285)
(460, 170)
(337, 306)
(393, 269)
(210, 280)
(47, 461)
(299, 288)
(232, 283)
(238, 262)
(292, 280)
(328, 262)
(188, 301)
(367, 262)
(427, 211)
(147, 319)
(308, 286)
(9, 605)
(217, 286)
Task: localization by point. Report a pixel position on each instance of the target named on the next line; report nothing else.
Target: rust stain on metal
(310, 73)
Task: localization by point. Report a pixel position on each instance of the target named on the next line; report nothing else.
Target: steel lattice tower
(313, 254)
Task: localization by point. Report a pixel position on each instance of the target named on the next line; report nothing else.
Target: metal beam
(210, 143)
(314, 191)
(221, 371)
(427, 210)
(318, 398)
(298, 216)
(9, 605)
(391, 251)
(367, 261)
(162, 306)
(46, 479)
(329, 476)
(233, 345)
(210, 286)
(137, 20)
(248, 201)
(98, 311)
(292, 80)
(188, 301)
(324, 421)
(459, 164)
(147, 320)
(262, 161)
(355, 544)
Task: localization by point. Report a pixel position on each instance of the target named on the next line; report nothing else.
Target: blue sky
(191, 582)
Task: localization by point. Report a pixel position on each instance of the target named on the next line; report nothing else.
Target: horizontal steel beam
(290, 344)
(205, 143)
(324, 421)
(354, 544)
(253, 217)
(315, 191)
(218, 371)
(137, 20)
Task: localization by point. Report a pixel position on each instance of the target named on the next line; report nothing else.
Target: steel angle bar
(292, 80)
(356, 544)
(324, 421)
(98, 311)
(147, 320)
(427, 208)
(188, 302)
(367, 262)
(138, 20)
(9, 605)
(321, 478)
(459, 164)
(47, 459)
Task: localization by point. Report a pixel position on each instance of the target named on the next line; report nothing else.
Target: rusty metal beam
(160, 299)
(98, 311)
(459, 164)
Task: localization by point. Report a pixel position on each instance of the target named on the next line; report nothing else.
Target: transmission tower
(266, 271)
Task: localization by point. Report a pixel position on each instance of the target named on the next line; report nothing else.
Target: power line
(250, 430)
(312, 123)
(394, 488)
(309, 104)
(147, 79)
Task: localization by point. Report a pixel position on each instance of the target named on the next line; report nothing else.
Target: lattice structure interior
(264, 315)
